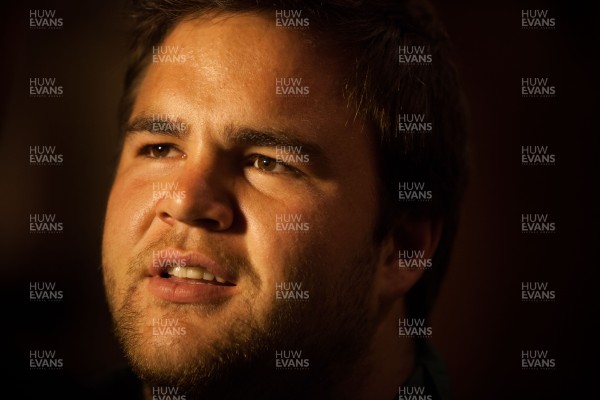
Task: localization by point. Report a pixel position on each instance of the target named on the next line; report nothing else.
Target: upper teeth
(194, 273)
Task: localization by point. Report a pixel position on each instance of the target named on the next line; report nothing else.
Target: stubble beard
(333, 329)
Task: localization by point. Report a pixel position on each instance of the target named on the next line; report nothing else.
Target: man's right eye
(161, 150)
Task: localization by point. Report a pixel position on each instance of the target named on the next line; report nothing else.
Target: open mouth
(194, 275)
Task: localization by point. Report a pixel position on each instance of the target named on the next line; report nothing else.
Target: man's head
(255, 209)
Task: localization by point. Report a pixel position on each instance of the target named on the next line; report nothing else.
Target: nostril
(165, 216)
(200, 211)
(208, 223)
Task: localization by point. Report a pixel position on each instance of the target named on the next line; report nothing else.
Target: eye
(161, 150)
(269, 164)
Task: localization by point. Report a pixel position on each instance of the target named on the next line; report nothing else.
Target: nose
(202, 198)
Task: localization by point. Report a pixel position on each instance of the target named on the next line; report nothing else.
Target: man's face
(198, 188)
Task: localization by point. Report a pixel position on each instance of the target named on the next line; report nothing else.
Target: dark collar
(429, 380)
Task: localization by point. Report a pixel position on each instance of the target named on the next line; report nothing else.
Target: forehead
(246, 64)
(253, 37)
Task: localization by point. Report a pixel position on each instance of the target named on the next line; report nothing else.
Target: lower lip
(182, 291)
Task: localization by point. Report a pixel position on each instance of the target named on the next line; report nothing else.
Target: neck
(386, 365)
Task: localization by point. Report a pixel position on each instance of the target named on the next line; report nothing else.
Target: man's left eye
(269, 164)
(161, 150)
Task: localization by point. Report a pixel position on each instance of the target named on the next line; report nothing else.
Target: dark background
(480, 324)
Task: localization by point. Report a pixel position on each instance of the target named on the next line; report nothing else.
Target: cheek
(296, 233)
(127, 214)
(279, 231)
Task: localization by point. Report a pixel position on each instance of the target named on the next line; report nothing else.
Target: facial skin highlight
(222, 158)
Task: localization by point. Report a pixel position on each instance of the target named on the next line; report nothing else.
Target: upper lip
(190, 259)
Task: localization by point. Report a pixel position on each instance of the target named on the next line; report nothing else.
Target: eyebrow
(158, 124)
(273, 138)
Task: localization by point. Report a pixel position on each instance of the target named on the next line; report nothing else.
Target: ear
(405, 253)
